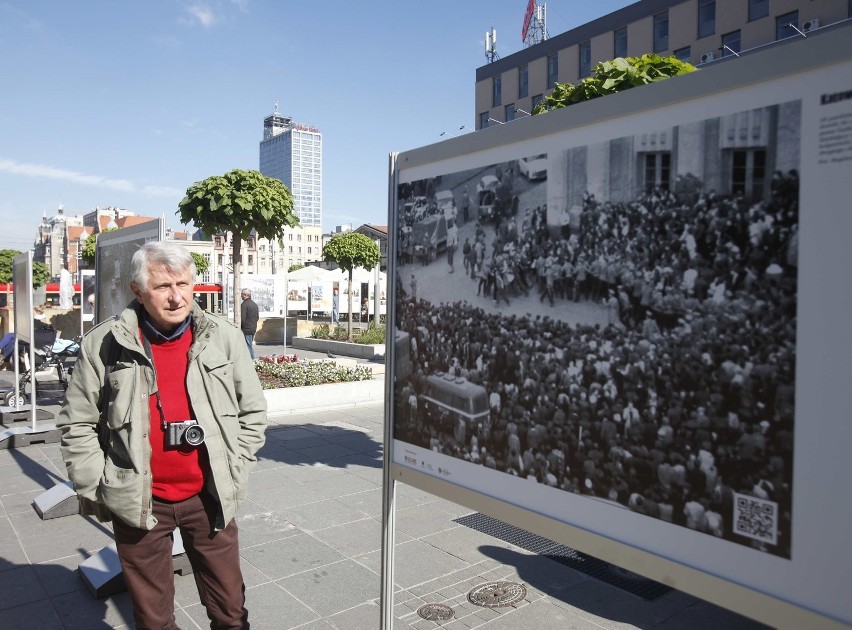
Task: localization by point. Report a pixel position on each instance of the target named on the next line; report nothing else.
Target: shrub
(613, 76)
(372, 336)
(321, 332)
(288, 374)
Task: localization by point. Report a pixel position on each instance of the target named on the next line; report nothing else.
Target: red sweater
(178, 473)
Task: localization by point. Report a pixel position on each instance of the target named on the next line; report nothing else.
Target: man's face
(244, 296)
(167, 298)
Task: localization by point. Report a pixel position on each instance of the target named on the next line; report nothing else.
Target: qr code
(756, 518)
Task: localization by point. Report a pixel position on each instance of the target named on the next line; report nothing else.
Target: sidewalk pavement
(310, 536)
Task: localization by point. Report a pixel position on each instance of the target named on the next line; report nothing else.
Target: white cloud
(242, 4)
(203, 14)
(46, 171)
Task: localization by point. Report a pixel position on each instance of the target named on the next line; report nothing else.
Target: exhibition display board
(626, 330)
(113, 253)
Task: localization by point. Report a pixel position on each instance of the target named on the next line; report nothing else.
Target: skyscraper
(292, 152)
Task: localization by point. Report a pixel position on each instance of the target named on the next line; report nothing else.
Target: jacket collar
(126, 326)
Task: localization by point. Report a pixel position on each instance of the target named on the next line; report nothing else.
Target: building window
(783, 28)
(552, 70)
(483, 120)
(250, 260)
(523, 82)
(496, 91)
(730, 42)
(683, 53)
(290, 237)
(757, 9)
(510, 112)
(661, 32)
(706, 18)
(748, 174)
(619, 42)
(658, 169)
(289, 249)
(310, 250)
(585, 59)
(538, 98)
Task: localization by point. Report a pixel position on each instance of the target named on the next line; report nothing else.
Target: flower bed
(280, 358)
(276, 374)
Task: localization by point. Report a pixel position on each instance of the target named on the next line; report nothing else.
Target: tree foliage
(41, 273)
(87, 253)
(350, 250)
(295, 267)
(240, 202)
(6, 256)
(609, 77)
(201, 263)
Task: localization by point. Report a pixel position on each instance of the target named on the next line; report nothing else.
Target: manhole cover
(435, 612)
(497, 594)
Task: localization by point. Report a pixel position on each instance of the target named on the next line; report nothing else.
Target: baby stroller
(50, 356)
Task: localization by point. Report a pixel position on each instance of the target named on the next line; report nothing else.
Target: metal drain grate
(497, 594)
(625, 580)
(435, 612)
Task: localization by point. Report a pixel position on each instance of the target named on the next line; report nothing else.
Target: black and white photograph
(112, 266)
(615, 320)
(89, 285)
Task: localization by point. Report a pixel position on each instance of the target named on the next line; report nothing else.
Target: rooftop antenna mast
(534, 29)
(491, 45)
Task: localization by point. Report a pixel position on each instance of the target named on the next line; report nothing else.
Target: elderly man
(160, 426)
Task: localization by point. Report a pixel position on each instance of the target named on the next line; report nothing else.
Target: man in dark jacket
(248, 319)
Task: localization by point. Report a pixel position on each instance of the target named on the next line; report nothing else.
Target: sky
(127, 104)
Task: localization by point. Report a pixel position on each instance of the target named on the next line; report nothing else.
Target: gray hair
(246, 292)
(175, 258)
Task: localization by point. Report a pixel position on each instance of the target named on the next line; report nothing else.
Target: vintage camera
(184, 433)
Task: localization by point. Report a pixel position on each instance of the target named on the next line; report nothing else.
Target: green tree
(350, 250)
(201, 264)
(295, 267)
(609, 77)
(41, 274)
(87, 252)
(240, 202)
(6, 256)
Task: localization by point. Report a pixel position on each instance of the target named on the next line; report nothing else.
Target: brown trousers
(146, 560)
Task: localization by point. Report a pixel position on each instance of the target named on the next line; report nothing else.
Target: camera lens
(194, 435)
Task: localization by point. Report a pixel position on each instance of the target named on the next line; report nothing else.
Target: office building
(697, 31)
(292, 153)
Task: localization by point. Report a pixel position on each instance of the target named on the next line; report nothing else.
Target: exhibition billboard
(632, 340)
(113, 253)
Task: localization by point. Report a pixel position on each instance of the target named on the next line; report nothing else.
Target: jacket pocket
(219, 373)
(121, 491)
(122, 397)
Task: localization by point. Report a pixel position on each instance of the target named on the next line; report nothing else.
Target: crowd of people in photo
(683, 397)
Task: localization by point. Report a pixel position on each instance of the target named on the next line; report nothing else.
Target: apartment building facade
(697, 31)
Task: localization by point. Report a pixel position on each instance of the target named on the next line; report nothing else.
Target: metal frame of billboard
(88, 286)
(805, 588)
(22, 276)
(112, 265)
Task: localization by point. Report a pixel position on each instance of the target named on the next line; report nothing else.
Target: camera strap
(148, 352)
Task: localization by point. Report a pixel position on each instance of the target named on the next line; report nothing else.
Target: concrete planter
(291, 400)
(339, 348)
